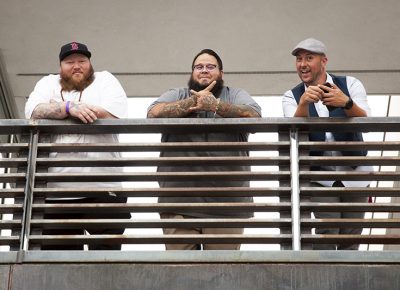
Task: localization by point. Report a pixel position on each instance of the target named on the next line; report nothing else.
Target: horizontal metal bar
(9, 240)
(207, 191)
(365, 223)
(13, 162)
(350, 175)
(10, 224)
(218, 175)
(350, 146)
(210, 239)
(356, 207)
(211, 161)
(195, 125)
(350, 161)
(204, 223)
(12, 177)
(351, 239)
(223, 256)
(165, 192)
(13, 147)
(11, 192)
(210, 146)
(161, 223)
(156, 161)
(165, 207)
(164, 176)
(158, 239)
(350, 191)
(10, 208)
(162, 207)
(166, 147)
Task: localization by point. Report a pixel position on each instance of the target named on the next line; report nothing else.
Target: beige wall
(150, 44)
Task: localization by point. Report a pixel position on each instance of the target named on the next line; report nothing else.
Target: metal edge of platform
(330, 257)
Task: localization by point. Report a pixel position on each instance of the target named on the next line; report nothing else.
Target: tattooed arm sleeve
(172, 110)
(228, 110)
(52, 110)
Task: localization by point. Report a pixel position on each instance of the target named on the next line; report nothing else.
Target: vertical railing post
(10, 140)
(295, 189)
(28, 191)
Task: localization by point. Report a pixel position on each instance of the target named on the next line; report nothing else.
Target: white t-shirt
(105, 91)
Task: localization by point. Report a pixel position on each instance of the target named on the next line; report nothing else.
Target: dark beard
(216, 90)
(69, 84)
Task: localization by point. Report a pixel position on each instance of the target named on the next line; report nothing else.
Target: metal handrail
(293, 127)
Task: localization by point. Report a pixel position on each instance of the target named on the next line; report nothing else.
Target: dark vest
(340, 81)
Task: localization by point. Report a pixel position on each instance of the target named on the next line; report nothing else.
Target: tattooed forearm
(53, 110)
(74, 105)
(236, 111)
(207, 103)
(172, 110)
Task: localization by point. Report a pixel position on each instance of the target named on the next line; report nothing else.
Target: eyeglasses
(200, 67)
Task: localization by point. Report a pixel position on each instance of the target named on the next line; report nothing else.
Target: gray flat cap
(310, 44)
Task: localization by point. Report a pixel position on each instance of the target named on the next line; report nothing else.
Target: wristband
(67, 107)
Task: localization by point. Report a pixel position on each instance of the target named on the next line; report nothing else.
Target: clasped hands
(205, 100)
(84, 112)
(330, 96)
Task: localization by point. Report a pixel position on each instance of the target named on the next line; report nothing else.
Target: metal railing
(282, 169)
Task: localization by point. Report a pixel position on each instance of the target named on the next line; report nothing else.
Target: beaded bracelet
(67, 107)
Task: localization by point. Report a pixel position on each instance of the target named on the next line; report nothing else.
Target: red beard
(70, 83)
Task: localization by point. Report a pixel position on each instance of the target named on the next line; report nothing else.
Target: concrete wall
(4, 275)
(149, 45)
(204, 276)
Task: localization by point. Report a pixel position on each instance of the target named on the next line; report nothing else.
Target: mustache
(68, 83)
(196, 86)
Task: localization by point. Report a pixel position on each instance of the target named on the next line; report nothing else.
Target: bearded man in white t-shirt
(80, 93)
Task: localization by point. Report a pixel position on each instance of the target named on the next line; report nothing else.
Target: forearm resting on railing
(52, 110)
(228, 110)
(172, 110)
(58, 110)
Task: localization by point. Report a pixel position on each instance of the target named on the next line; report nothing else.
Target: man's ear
(324, 59)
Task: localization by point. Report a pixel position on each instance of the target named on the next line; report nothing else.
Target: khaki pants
(199, 231)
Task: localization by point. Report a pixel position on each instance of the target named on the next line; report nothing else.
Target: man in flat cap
(80, 93)
(321, 94)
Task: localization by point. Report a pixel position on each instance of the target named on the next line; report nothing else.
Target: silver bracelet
(217, 107)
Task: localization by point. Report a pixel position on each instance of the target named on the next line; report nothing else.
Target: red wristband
(67, 107)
